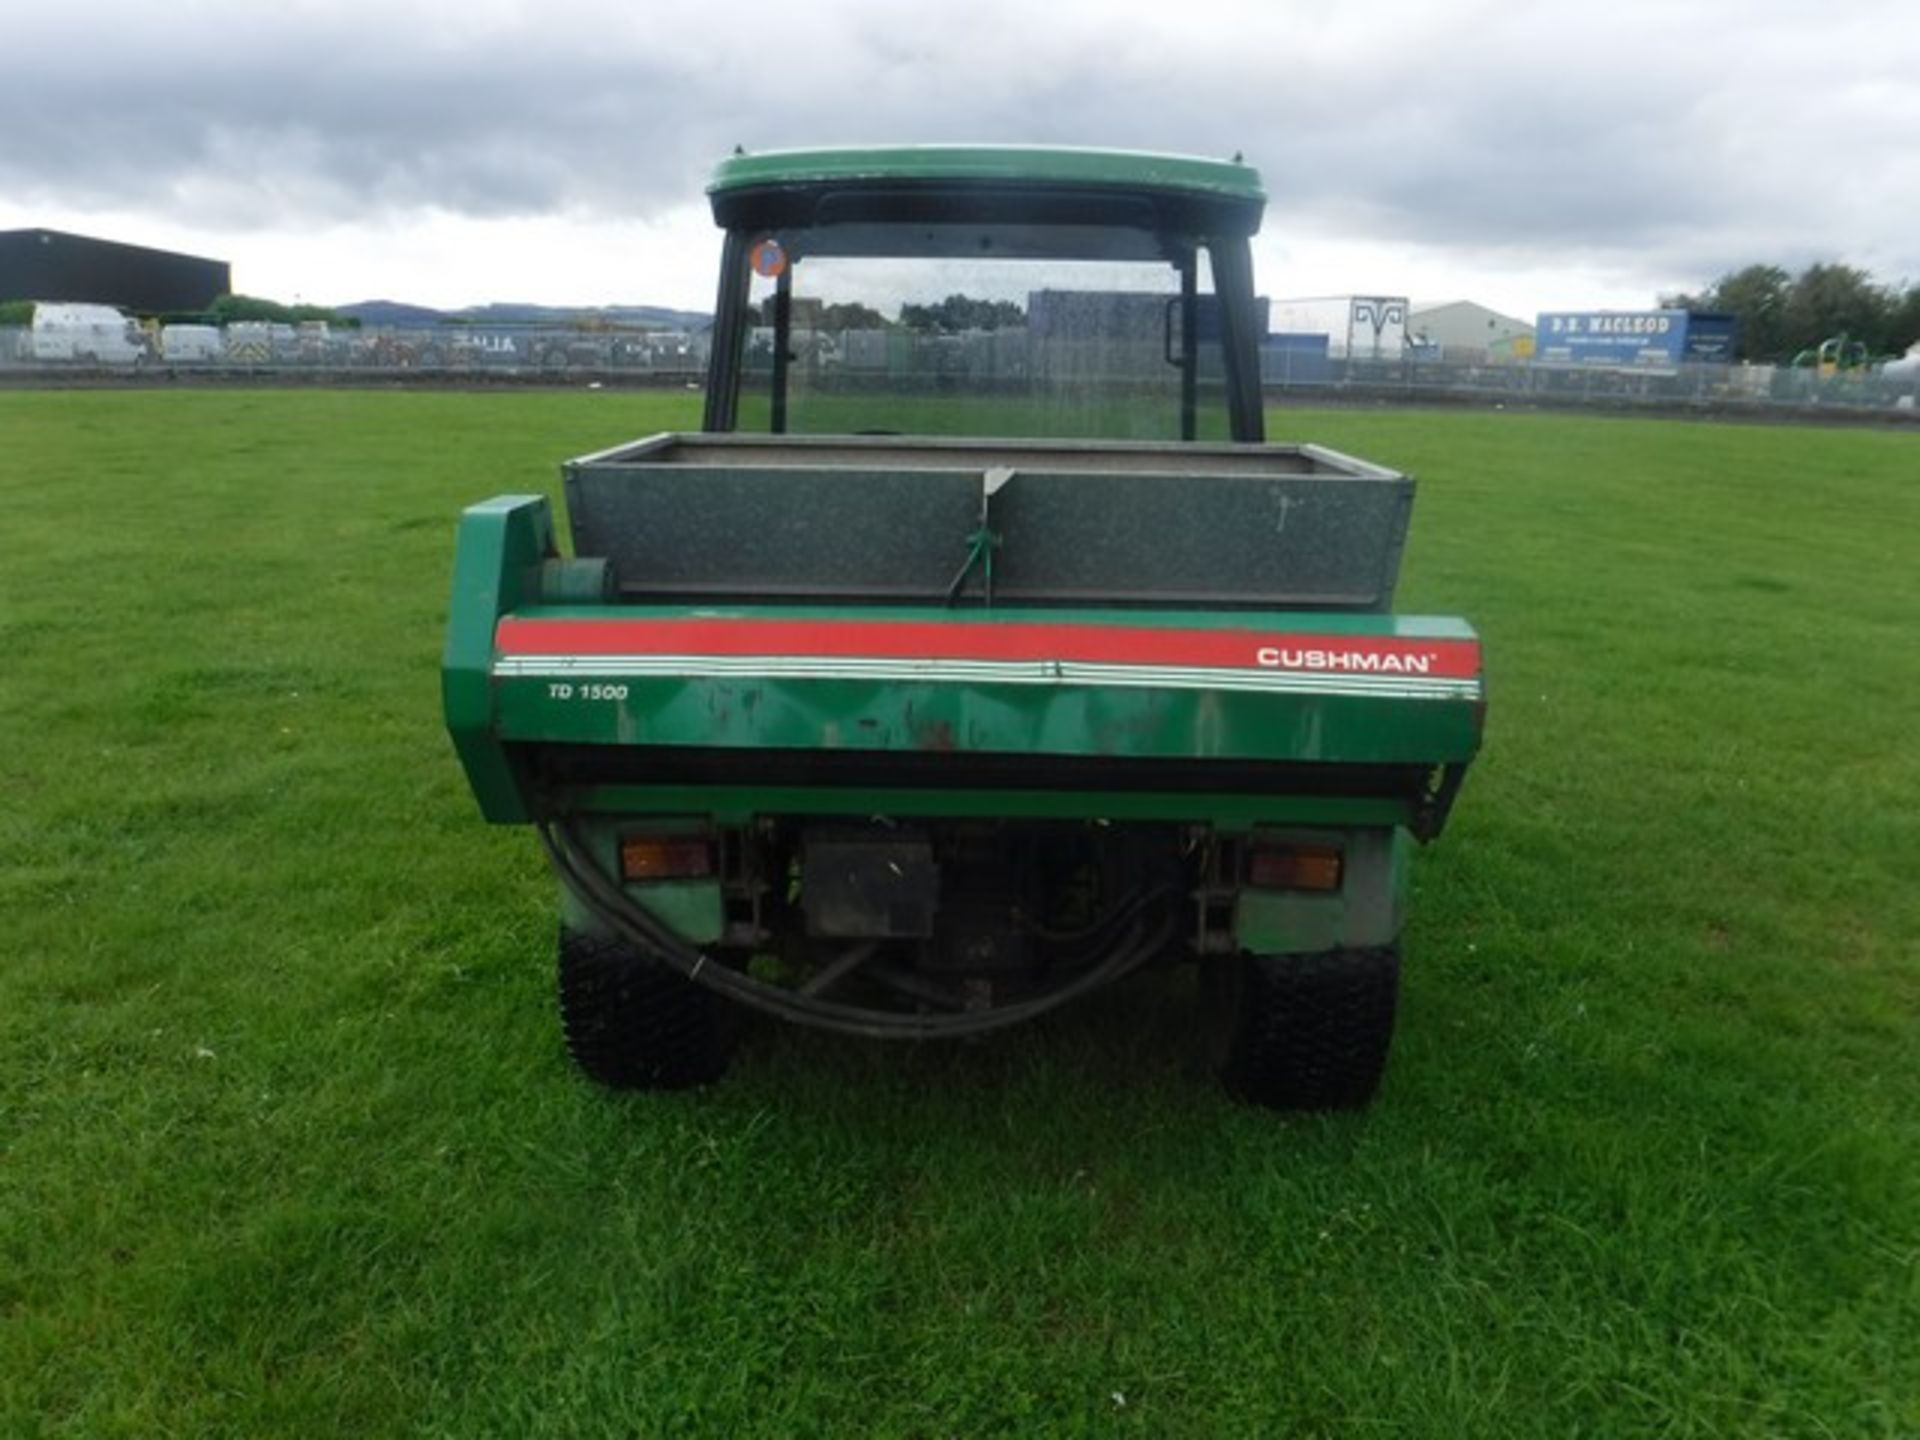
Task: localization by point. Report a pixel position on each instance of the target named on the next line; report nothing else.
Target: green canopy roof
(1001, 164)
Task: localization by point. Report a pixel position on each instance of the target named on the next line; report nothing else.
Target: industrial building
(56, 266)
(1464, 331)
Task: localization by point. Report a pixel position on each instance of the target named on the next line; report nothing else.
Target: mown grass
(291, 1147)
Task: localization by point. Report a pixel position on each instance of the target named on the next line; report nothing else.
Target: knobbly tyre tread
(633, 1024)
(1311, 1032)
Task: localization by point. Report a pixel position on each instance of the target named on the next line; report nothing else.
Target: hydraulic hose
(573, 863)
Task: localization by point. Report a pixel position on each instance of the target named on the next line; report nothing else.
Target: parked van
(87, 334)
(191, 344)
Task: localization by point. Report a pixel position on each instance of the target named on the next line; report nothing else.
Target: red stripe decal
(1014, 640)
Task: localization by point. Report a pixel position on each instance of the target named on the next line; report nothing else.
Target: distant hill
(390, 314)
(396, 315)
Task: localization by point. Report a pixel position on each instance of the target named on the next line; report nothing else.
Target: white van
(191, 344)
(88, 334)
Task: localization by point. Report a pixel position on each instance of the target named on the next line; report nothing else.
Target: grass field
(289, 1147)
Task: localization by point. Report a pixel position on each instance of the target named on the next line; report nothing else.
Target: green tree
(851, 315)
(229, 308)
(1759, 295)
(1782, 315)
(1828, 300)
(962, 312)
(1905, 328)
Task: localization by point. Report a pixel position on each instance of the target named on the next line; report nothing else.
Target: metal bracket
(984, 539)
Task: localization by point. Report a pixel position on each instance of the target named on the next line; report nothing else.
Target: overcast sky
(1530, 156)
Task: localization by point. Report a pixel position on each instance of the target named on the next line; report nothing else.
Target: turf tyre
(1309, 1032)
(631, 1023)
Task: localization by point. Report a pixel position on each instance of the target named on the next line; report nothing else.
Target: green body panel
(985, 718)
(1007, 719)
(690, 908)
(497, 555)
(1366, 911)
(1006, 164)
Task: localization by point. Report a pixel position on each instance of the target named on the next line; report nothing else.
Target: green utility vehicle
(857, 710)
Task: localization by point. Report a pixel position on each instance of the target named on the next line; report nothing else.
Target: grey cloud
(1524, 131)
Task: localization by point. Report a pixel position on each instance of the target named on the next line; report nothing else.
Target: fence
(1692, 387)
(320, 351)
(458, 354)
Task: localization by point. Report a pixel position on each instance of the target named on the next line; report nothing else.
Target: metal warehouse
(54, 265)
(1467, 331)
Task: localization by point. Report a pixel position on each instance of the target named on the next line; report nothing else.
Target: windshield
(945, 330)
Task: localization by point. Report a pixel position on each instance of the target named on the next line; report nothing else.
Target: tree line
(950, 316)
(224, 311)
(959, 313)
(1782, 314)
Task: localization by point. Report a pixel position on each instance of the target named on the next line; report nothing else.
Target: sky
(1527, 156)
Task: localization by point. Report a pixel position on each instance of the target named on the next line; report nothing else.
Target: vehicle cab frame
(1017, 203)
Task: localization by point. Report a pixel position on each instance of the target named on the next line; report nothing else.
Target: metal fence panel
(452, 353)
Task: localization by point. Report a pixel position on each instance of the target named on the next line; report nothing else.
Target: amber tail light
(1294, 867)
(666, 857)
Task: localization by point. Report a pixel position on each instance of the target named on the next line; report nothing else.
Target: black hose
(614, 908)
